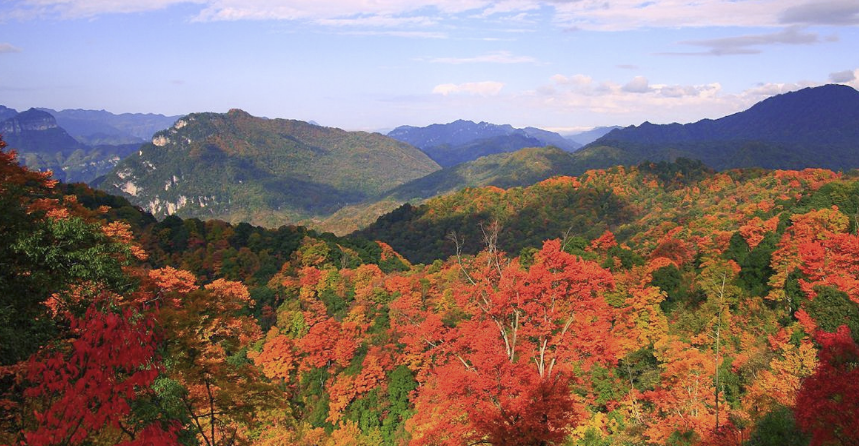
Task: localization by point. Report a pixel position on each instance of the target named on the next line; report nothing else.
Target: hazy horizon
(557, 65)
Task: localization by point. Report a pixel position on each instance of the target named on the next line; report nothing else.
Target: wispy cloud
(404, 34)
(843, 76)
(614, 15)
(379, 22)
(751, 43)
(328, 9)
(638, 84)
(75, 9)
(664, 102)
(486, 88)
(500, 57)
(624, 102)
(9, 48)
(604, 15)
(847, 77)
(837, 12)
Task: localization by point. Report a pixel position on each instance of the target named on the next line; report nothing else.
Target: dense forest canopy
(658, 304)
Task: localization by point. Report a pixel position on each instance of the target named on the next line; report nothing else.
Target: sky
(562, 65)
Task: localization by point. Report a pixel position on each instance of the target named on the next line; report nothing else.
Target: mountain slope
(813, 127)
(271, 172)
(521, 168)
(461, 141)
(516, 169)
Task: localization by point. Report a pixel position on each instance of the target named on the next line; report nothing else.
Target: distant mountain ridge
(43, 145)
(812, 127)
(6, 112)
(589, 136)
(77, 145)
(94, 127)
(38, 132)
(270, 172)
(461, 141)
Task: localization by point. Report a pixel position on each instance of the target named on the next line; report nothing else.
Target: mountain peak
(461, 140)
(266, 171)
(30, 120)
(812, 127)
(238, 112)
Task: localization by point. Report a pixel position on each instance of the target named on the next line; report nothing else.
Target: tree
(89, 385)
(827, 406)
(65, 304)
(507, 364)
(207, 335)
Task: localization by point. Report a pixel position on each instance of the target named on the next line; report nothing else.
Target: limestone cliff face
(31, 120)
(36, 131)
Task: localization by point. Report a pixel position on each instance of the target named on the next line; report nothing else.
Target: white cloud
(502, 57)
(606, 102)
(516, 7)
(8, 48)
(486, 88)
(72, 9)
(326, 9)
(577, 79)
(638, 84)
(628, 103)
(603, 15)
(613, 15)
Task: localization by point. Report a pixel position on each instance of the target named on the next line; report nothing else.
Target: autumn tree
(76, 356)
(507, 364)
(85, 389)
(827, 406)
(207, 336)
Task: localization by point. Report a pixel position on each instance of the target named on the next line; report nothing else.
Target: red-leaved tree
(827, 406)
(502, 372)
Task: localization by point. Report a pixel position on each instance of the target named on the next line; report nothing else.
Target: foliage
(706, 308)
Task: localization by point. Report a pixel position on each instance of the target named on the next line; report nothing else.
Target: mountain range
(99, 127)
(461, 141)
(77, 145)
(273, 171)
(812, 127)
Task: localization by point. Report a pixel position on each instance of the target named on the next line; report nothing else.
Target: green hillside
(264, 171)
(521, 168)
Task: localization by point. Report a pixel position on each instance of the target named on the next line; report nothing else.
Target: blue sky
(372, 65)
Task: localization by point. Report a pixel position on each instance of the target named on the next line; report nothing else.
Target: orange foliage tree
(507, 364)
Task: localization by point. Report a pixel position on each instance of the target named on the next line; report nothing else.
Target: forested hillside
(659, 304)
(238, 167)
